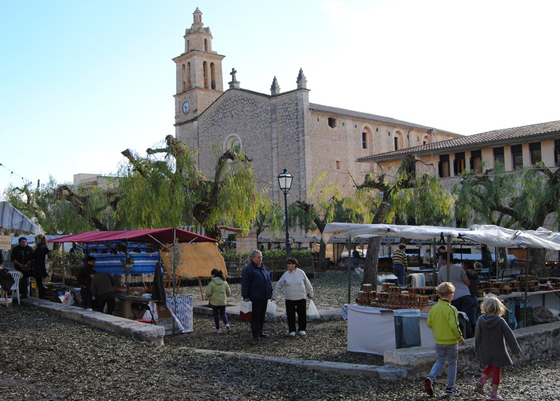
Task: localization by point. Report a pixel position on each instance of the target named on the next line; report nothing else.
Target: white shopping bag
(245, 310)
(271, 309)
(312, 312)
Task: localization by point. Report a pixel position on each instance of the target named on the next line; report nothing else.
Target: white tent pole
(349, 270)
(449, 258)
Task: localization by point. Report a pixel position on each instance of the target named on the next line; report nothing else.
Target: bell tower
(199, 72)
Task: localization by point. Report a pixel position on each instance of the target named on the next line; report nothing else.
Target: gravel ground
(46, 357)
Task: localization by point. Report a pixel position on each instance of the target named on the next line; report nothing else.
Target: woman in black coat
(39, 267)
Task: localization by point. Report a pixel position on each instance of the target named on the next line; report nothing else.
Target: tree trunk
(372, 262)
(323, 263)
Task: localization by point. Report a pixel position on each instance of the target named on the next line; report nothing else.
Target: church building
(279, 130)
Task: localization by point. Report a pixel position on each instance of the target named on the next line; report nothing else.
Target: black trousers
(39, 282)
(108, 299)
(86, 297)
(292, 307)
(257, 317)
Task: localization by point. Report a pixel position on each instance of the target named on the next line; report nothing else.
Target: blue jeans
(450, 353)
(399, 272)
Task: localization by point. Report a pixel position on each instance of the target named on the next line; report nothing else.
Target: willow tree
(173, 192)
(329, 206)
(405, 198)
(65, 208)
(521, 199)
(269, 217)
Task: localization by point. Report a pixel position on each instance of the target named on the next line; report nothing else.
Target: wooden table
(126, 308)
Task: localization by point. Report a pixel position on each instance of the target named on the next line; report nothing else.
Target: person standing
(487, 261)
(39, 256)
(256, 286)
(218, 291)
(474, 281)
(427, 259)
(462, 299)
(492, 334)
(21, 259)
(298, 288)
(443, 320)
(441, 250)
(84, 279)
(102, 287)
(400, 263)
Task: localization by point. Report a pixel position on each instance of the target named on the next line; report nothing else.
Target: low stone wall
(142, 331)
(536, 342)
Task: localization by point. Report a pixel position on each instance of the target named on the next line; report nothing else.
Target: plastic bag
(67, 298)
(271, 309)
(312, 312)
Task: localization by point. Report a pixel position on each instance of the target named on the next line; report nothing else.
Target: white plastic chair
(15, 288)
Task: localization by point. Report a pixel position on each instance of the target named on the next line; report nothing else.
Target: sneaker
(217, 331)
(228, 329)
(302, 333)
(495, 396)
(480, 386)
(293, 334)
(429, 386)
(452, 392)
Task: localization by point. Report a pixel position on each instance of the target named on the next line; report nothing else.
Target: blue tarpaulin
(14, 221)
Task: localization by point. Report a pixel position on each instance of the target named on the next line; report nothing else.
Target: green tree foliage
(170, 192)
(522, 199)
(269, 217)
(64, 209)
(329, 206)
(406, 198)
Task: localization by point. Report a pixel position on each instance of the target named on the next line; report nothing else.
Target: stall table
(126, 308)
(372, 330)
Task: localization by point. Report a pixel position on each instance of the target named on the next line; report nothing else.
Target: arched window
(184, 78)
(189, 86)
(233, 142)
(205, 45)
(213, 76)
(399, 140)
(205, 72)
(367, 138)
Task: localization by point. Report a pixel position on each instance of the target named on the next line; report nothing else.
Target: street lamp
(285, 183)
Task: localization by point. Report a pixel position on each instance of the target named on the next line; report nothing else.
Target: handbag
(312, 312)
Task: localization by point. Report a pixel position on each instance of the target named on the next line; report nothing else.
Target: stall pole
(449, 259)
(526, 288)
(348, 267)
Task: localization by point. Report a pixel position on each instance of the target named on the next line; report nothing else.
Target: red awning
(165, 235)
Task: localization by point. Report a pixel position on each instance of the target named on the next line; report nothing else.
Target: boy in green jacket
(444, 321)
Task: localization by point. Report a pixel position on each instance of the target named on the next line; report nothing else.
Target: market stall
(383, 302)
(140, 252)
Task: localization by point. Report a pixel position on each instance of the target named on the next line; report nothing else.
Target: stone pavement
(539, 341)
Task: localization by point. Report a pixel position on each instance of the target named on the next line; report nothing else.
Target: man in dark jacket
(84, 279)
(103, 288)
(21, 259)
(256, 286)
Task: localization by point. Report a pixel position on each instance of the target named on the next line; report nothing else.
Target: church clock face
(186, 107)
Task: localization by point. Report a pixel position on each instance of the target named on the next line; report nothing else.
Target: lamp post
(285, 183)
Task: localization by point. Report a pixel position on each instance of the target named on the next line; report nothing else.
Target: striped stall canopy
(14, 221)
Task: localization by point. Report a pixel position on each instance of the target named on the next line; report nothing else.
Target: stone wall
(537, 342)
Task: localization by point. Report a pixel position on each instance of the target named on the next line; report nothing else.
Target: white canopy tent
(485, 234)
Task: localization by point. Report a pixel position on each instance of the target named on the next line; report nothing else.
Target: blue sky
(82, 81)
